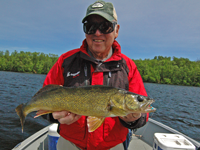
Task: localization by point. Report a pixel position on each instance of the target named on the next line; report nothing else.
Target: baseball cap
(103, 9)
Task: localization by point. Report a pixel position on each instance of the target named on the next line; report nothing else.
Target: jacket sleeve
(136, 85)
(54, 76)
(136, 124)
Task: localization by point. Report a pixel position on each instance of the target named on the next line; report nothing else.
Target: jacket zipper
(109, 76)
(85, 70)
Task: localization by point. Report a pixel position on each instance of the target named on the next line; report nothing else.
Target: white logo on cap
(97, 5)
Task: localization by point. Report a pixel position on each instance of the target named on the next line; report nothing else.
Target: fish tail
(21, 114)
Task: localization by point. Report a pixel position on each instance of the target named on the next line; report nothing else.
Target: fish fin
(42, 112)
(19, 109)
(94, 122)
(117, 111)
(47, 88)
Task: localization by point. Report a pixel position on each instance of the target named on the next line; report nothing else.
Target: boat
(143, 138)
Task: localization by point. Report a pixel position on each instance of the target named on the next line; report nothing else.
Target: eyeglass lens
(104, 27)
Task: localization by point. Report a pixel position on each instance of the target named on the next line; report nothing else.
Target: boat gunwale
(24, 144)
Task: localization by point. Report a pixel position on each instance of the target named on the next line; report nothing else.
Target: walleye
(97, 102)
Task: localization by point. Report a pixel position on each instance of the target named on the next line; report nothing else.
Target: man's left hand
(131, 117)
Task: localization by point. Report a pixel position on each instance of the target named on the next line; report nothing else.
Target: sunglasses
(104, 27)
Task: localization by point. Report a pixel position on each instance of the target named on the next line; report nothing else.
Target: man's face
(98, 43)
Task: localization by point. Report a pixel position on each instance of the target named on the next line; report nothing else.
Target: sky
(148, 28)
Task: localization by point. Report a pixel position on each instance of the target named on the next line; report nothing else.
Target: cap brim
(100, 13)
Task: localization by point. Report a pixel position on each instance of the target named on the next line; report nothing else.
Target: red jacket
(77, 68)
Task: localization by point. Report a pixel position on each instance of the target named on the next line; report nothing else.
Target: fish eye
(140, 98)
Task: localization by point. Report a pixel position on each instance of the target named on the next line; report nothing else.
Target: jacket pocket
(76, 130)
(113, 130)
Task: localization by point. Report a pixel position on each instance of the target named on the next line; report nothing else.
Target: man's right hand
(65, 117)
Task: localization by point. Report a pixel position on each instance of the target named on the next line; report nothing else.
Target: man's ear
(117, 30)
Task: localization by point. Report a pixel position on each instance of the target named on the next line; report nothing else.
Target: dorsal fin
(47, 88)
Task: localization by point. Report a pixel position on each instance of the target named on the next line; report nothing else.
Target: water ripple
(177, 107)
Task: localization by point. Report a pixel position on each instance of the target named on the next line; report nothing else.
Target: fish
(94, 101)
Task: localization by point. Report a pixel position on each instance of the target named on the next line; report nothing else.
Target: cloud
(146, 25)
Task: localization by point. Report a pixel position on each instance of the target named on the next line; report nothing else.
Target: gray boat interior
(142, 139)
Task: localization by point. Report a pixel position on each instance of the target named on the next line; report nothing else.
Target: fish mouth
(146, 107)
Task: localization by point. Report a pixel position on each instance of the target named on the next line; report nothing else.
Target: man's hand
(131, 117)
(65, 117)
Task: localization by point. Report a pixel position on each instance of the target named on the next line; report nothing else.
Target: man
(98, 61)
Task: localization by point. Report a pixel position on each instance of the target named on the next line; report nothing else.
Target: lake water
(177, 107)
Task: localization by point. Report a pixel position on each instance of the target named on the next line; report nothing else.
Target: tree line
(167, 70)
(164, 70)
(35, 62)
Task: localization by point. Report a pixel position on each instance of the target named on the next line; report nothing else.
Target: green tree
(178, 71)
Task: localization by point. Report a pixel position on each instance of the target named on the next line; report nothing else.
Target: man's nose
(98, 32)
